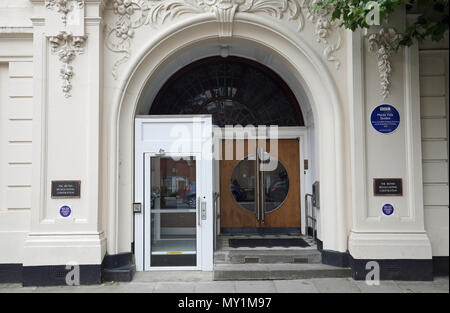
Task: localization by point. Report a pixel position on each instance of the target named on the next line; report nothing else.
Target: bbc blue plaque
(388, 209)
(385, 119)
(65, 211)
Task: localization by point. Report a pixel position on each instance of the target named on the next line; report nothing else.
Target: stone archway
(306, 66)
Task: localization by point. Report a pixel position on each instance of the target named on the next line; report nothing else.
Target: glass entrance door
(173, 201)
(171, 206)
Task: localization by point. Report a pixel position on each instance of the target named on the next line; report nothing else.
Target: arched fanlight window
(235, 91)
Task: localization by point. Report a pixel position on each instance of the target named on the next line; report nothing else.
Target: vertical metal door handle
(263, 213)
(199, 208)
(258, 195)
(263, 195)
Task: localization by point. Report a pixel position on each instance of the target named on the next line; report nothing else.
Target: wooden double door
(260, 187)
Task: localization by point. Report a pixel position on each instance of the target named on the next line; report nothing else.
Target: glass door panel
(244, 184)
(275, 185)
(173, 212)
(257, 188)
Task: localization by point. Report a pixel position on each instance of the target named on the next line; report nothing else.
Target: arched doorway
(304, 65)
(237, 91)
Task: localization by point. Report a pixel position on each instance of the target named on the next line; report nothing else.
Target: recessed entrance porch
(258, 172)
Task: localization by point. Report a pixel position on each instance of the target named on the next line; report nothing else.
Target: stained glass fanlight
(233, 90)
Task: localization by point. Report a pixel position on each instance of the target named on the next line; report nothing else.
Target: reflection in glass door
(173, 213)
(256, 190)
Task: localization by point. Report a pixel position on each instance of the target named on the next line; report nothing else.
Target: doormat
(268, 243)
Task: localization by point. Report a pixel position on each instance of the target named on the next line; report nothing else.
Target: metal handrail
(310, 217)
(217, 217)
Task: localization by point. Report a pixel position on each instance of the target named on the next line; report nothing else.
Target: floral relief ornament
(132, 14)
(323, 27)
(64, 7)
(383, 44)
(67, 47)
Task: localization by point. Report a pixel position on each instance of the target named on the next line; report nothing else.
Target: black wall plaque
(388, 187)
(66, 189)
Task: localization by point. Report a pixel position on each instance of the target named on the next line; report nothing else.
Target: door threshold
(261, 231)
(223, 243)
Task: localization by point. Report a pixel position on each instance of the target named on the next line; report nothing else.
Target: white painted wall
(434, 86)
(16, 113)
(15, 13)
(100, 129)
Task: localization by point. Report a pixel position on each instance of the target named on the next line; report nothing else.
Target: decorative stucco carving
(64, 7)
(67, 47)
(132, 14)
(383, 44)
(323, 28)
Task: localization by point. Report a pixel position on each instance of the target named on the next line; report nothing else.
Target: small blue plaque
(385, 119)
(65, 211)
(388, 209)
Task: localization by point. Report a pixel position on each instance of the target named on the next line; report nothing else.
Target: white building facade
(90, 91)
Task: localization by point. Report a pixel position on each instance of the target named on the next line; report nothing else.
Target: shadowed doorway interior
(240, 92)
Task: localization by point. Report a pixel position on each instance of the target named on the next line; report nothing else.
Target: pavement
(173, 284)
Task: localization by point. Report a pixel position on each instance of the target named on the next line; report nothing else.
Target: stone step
(268, 256)
(226, 272)
(118, 268)
(119, 274)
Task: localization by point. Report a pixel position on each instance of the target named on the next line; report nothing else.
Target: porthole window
(272, 190)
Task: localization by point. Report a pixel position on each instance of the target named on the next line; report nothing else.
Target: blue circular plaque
(388, 209)
(385, 119)
(65, 211)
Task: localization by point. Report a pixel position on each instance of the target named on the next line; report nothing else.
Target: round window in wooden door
(273, 183)
(261, 191)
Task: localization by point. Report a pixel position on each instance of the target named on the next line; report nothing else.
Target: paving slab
(255, 287)
(216, 287)
(384, 287)
(15, 288)
(336, 285)
(442, 282)
(104, 288)
(316, 285)
(174, 288)
(5, 286)
(422, 287)
(295, 286)
(173, 276)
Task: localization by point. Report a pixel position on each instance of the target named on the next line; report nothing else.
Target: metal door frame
(149, 144)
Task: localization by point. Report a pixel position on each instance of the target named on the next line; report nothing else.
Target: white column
(375, 235)
(66, 142)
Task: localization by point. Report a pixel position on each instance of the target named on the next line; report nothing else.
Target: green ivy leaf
(432, 23)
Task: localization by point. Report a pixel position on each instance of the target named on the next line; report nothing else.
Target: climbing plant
(431, 17)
